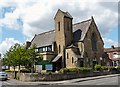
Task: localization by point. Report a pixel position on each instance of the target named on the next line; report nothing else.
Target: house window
(40, 50)
(44, 49)
(72, 60)
(59, 49)
(94, 42)
(49, 48)
(116, 55)
(58, 26)
(67, 56)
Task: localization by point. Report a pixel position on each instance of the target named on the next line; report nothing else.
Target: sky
(20, 20)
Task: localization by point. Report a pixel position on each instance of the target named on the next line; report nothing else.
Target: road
(102, 81)
(112, 81)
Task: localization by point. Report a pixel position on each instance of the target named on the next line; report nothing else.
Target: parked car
(3, 75)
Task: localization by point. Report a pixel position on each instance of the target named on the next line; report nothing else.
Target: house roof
(115, 49)
(44, 39)
(47, 38)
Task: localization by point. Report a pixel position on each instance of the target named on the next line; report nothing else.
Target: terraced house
(70, 45)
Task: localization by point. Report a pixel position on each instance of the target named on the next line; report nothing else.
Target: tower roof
(65, 14)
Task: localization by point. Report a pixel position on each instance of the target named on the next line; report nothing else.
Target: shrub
(85, 69)
(59, 72)
(73, 69)
(64, 70)
(25, 70)
(48, 72)
(104, 67)
(78, 69)
(9, 70)
(112, 68)
(97, 67)
(118, 67)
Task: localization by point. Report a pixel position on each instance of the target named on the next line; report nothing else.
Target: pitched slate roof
(44, 39)
(115, 49)
(66, 14)
(47, 38)
(80, 30)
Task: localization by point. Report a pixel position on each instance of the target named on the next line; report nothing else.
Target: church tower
(63, 32)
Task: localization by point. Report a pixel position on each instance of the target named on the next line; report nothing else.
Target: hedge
(78, 69)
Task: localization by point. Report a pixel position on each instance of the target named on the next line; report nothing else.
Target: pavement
(67, 81)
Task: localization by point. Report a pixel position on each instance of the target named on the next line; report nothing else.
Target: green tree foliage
(19, 55)
(32, 53)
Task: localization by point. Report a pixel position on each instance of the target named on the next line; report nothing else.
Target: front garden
(64, 73)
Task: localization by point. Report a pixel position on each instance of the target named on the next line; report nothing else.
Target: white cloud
(10, 21)
(7, 43)
(38, 16)
(0, 35)
(35, 13)
(110, 42)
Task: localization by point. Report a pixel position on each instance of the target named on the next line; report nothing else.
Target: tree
(33, 53)
(10, 58)
(19, 55)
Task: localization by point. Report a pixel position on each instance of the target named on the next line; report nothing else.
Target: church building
(70, 45)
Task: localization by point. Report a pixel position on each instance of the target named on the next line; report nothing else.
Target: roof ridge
(111, 48)
(82, 21)
(46, 32)
(54, 30)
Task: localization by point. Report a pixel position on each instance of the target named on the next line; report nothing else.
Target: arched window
(67, 56)
(59, 49)
(94, 42)
(58, 26)
(72, 60)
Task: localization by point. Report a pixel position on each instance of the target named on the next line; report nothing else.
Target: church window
(94, 42)
(59, 49)
(72, 60)
(58, 26)
(67, 56)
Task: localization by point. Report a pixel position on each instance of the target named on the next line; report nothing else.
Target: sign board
(48, 67)
(38, 67)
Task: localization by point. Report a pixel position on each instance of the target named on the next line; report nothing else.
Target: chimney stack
(28, 44)
(113, 46)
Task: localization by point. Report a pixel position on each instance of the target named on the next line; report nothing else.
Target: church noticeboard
(48, 67)
(38, 67)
